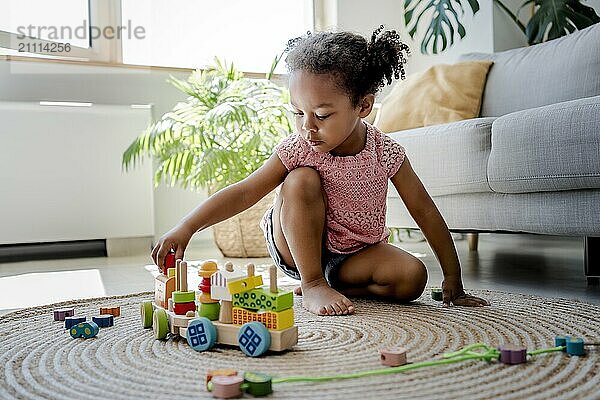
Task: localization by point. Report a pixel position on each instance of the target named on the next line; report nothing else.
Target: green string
(486, 353)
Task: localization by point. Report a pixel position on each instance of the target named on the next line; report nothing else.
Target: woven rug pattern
(39, 360)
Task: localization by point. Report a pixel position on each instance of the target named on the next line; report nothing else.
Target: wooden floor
(518, 263)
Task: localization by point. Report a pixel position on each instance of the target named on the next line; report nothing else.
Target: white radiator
(61, 176)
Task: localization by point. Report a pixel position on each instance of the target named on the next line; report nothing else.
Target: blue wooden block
(201, 334)
(575, 346)
(104, 321)
(560, 341)
(71, 321)
(254, 339)
(85, 330)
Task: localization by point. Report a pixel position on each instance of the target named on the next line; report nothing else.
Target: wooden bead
(512, 354)
(183, 308)
(220, 372)
(71, 321)
(114, 311)
(560, 341)
(61, 314)
(209, 310)
(393, 357)
(104, 321)
(258, 384)
(85, 330)
(227, 387)
(436, 294)
(575, 346)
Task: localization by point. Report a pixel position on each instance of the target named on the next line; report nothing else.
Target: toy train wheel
(160, 324)
(146, 311)
(201, 334)
(254, 339)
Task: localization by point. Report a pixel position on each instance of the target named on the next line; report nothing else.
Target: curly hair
(360, 67)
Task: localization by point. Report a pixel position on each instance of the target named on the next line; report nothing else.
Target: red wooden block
(183, 308)
(204, 288)
(169, 262)
(393, 357)
(227, 387)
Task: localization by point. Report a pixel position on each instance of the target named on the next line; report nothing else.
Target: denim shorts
(330, 262)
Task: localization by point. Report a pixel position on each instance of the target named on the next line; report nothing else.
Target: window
(172, 33)
(190, 33)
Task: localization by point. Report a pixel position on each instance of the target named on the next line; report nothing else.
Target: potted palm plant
(225, 129)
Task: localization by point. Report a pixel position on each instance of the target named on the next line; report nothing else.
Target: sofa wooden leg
(473, 239)
(591, 248)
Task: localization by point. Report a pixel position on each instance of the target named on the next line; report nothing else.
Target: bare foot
(298, 291)
(319, 298)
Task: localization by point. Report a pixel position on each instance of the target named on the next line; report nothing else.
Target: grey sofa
(531, 162)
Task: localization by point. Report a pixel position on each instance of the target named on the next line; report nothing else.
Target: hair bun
(386, 55)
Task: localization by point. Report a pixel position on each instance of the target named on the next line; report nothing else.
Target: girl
(327, 226)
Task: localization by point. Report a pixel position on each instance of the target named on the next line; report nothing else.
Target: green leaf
(556, 18)
(443, 19)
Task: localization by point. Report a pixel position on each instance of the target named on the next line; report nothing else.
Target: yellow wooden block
(273, 320)
(244, 284)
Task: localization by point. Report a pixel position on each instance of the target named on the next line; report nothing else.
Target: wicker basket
(240, 235)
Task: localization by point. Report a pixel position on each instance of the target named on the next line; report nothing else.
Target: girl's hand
(453, 293)
(176, 239)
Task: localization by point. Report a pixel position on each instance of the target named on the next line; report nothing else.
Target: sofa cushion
(542, 74)
(441, 94)
(449, 158)
(555, 147)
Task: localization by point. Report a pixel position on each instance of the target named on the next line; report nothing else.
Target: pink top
(356, 187)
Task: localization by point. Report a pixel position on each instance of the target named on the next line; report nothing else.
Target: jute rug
(39, 360)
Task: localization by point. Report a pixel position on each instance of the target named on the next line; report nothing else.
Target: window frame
(110, 51)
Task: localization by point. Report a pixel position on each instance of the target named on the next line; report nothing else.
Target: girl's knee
(303, 181)
(412, 284)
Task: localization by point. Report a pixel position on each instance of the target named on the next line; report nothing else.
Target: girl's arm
(425, 213)
(220, 206)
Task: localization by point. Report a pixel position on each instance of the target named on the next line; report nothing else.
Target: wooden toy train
(234, 308)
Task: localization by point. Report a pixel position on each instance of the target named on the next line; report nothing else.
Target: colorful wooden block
(263, 299)
(114, 311)
(560, 341)
(71, 321)
(183, 297)
(61, 314)
(201, 334)
(393, 357)
(220, 372)
(85, 330)
(575, 346)
(436, 294)
(220, 279)
(209, 310)
(227, 387)
(254, 339)
(207, 268)
(171, 273)
(169, 262)
(163, 290)
(273, 320)
(244, 284)
(183, 308)
(104, 321)
(258, 384)
(206, 298)
(512, 354)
